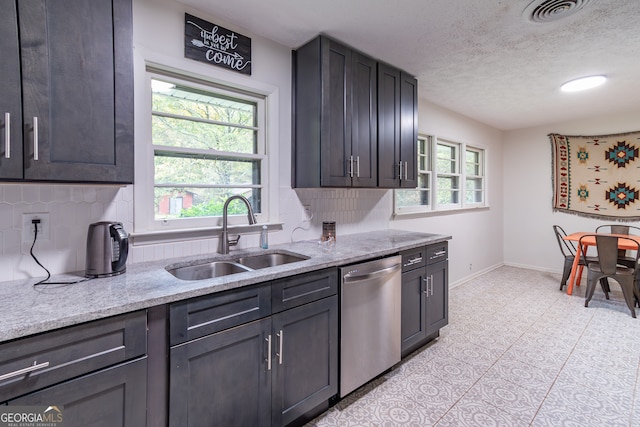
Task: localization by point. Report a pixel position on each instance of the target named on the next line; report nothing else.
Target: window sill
(181, 235)
(418, 214)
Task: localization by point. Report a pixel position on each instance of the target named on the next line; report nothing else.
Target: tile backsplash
(72, 208)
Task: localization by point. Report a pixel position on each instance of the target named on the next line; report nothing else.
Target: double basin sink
(242, 264)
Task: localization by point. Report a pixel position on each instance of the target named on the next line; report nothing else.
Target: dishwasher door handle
(353, 276)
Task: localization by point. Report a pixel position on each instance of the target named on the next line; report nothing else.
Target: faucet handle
(234, 242)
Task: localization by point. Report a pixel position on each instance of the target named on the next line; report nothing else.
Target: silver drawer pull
(35, 138)
(7, 135)
(36, 366)
(414, 260)
(439, 253)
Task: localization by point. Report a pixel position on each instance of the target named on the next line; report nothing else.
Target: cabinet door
(408, 130)
(335, 115)
(10, 96)
(414, 310)
(364, 112)
(437, 296)
(388, 126)
(77, 82)
(305, 359)
(109, 398)
(222, 379)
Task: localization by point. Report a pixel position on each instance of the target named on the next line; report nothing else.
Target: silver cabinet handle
(358, 166)
(406, 167)
(414, 260)
(35, 138)
(36, 366)
(426, 289)
(435, 254)
(351, 166)
(400, 170)
(431, 286)
(7, 135)
(268, 339)
(280, 336)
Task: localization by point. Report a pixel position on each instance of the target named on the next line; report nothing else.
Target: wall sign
(207, 42)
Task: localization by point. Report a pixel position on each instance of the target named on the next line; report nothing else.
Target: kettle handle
(123, 244)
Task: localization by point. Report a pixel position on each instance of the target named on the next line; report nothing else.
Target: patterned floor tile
(531, 356)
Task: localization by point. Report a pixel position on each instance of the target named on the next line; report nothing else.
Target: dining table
(583, 246)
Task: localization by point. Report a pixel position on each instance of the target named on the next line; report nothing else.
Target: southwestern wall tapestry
(597, 176)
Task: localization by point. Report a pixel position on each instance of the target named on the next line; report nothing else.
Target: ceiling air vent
(542, 11)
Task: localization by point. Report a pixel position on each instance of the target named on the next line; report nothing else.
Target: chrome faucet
(224, 239)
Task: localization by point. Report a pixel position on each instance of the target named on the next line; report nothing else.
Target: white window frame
(460, 172)
(145, 221)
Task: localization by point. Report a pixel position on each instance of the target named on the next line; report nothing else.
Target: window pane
(412, 198)
(447, 182)
(205, 171)
(184, 133)
(446, 197)
(185, 202)
(191, 102)
(423, 180)
(446, 159)
(473, 163)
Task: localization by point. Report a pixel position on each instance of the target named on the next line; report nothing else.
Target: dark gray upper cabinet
(397, 127)
(10, 100)
(335, 96)
(77, 91)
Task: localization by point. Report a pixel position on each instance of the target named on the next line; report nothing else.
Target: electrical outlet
(28, 228)
(306, 213)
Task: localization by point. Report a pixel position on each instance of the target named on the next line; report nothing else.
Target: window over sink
(207, 142)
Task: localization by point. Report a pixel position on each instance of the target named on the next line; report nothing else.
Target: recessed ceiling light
(583, 83)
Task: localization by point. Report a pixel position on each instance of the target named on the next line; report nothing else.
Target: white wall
(528, 234)
(477, 234)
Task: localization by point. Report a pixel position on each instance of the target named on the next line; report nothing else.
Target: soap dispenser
(264, 238)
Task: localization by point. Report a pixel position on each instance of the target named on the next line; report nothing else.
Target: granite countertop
(28, 310)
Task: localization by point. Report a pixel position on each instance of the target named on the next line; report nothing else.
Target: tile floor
(516, 352)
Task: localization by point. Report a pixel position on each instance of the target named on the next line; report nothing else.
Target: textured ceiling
(480, 58)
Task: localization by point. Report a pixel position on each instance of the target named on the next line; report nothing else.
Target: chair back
(607, 253)
(566, 247)
(618, 229)
(607, 247)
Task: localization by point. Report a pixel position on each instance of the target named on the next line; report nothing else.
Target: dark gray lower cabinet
(425, 295)
(221, 380)
(97, 371)
(266, 372)
(305, 367)
(112, 397)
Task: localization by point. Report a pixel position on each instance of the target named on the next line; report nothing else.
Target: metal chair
(569, 253)
(607, 266)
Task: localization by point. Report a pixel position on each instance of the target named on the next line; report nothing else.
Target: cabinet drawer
(202, 316)
(301, 289)
(414, 258)
(437, 252)
(32, 363)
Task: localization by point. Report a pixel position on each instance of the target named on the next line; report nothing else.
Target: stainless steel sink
(208, 270)
(257, 262)
(214, 269)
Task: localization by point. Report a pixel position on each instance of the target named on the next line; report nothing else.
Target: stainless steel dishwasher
(370, 321)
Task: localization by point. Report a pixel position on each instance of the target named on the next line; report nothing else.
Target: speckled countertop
(27, 310)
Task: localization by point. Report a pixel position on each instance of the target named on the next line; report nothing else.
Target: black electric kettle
(107, 249)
